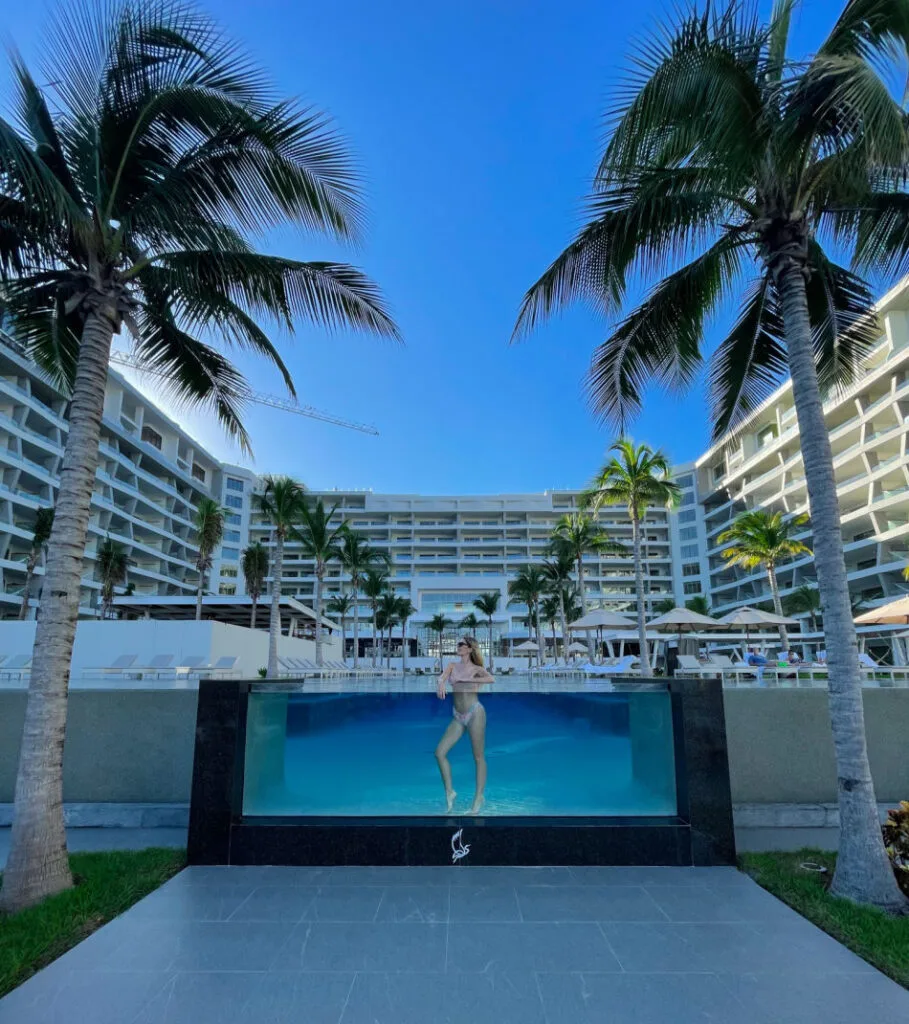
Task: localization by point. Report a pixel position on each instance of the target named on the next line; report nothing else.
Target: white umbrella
(681, 620)
(896, 612)
(575, 647)
(528, 648)
(748, 616)
(599, 618)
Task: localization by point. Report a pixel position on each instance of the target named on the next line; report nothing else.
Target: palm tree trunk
(863, 871)
(343, 637)
(356, 609)
(536, 619)
(27, 590)
(583, 596)
(274, 624)
(639, 591)
(564, 622)
(199, 592)
(490, 643)
(320, 572)
(777, 603)
(38, 864)
(403, 646)
(252, 614)
(374, 638)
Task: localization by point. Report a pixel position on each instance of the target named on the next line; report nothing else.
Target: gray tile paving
(446, 945)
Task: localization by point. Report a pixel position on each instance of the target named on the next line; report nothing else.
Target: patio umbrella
(528, 647)
(894, 613)
(600, 619)
(681, 620)
(576, 647)
(748, 616)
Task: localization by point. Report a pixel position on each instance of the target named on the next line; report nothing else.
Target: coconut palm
(44, 520)
(129, 200)
(528, 587)
(488, 604)
(339, 605)
(438, 624)
(208, 522)
(728, 162)
(281, 501)
(254, 563)
(805, 599)
(404, 611)
(557, 572)
(112, 563)
(638, 477)
(666, 605)
(698, 604)
(550, 612)
(320, 540)
(388, 618)
(577, 534)
(469, 624)
(356, 557)
(373, 583)
(762, 538)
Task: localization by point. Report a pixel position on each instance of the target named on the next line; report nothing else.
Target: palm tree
(340, 605)
(805, 599)
(388, 614)
(320, 541)
(698, 604)
(281, 501)
(404, 611)
(130, 201)
(209, 525)
(373, 583)
(112, 564)
(488, 604)
(550, 611)
(438, 624)
(764, 538)
(527, 587)
(557, 572)
(639, 477)
(356, 557)
(666, 605)
(469, 624)
(727, 163)
(254, 563)
(44, 521)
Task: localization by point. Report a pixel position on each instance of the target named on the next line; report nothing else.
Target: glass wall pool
(373, 754)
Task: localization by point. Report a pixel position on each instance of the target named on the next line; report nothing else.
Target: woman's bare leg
(477, 730)
(449, 738)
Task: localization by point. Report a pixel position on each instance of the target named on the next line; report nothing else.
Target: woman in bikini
(468, 715)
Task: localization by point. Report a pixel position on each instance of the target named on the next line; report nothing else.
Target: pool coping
(700, 834)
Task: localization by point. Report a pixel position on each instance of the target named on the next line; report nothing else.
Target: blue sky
(477, 125)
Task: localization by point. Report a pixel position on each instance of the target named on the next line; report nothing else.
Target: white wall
(99, 644)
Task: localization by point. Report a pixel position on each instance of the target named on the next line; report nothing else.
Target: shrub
(896, 839)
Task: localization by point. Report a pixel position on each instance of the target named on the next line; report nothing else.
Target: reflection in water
(371, 754)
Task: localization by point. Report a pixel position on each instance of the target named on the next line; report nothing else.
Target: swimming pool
(345, 750)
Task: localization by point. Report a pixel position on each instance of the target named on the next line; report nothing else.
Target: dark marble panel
(704, 763)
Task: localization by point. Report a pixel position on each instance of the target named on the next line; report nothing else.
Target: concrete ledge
(115, 815)
(793, 815)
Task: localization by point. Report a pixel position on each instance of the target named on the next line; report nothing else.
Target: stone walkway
(458, 946)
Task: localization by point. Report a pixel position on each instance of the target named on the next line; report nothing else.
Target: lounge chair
(190, 664)
(16, 667)
(118, 666)
(688, 665)
(223, 667)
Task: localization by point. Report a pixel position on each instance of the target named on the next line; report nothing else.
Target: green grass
(106, 885)
(877, 938)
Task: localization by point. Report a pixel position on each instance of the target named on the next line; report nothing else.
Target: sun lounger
(223, 667)
(119, 666)
(16, 667)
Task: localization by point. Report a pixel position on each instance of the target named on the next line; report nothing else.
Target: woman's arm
(443, 679)
(480, 675)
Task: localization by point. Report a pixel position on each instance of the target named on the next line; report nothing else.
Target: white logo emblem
(459, 849)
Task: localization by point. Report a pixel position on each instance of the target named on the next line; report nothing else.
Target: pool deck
(472, 945)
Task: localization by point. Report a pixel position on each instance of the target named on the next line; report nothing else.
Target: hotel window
(233, 502)
(688, 533)
(227, 589)
(766, 436)
(719, 472)
(151, 437)
(198, 472)
(692, 588)
(234, 484)
(232, 536)
(229, 573)
(231, 554)
(687, 498)
(689, 551)
(685, 481)
(688, 515)
(691, 569)
(232, 519)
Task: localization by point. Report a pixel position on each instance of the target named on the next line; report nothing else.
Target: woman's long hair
(475, 655)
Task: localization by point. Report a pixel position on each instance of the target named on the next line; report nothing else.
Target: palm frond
(882, 235)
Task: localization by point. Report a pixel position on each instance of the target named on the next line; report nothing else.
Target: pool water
(372, 754)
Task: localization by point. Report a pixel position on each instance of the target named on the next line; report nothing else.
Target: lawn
(879, 939)
(106, 885)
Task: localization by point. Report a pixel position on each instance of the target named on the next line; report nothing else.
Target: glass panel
(547, 753)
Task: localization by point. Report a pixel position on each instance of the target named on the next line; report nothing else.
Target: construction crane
(258, 397)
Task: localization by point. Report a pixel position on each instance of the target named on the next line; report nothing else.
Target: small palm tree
(730, 162)
(374, 583)
(340, 605)
(129, 202)
(388, 617)
(320, 541)
(527, 587)
(44, 521)
(356, 557)
(639, 477)
(666, 605)
(805, 599)
(281, 501)
(764, 538)
(576, 534)
(209, 525)
(404, 611)
(438, 624)
(469, 624)
(550, 612)
(254, 563)
(698, 604)
(557, 572)
(488, 604)
(112, 564)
